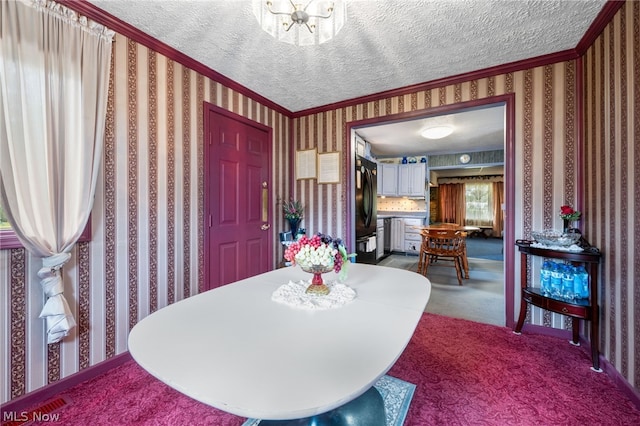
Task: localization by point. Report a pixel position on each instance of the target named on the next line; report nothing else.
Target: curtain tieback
(50, 279)
(55, 311)
(56, 261)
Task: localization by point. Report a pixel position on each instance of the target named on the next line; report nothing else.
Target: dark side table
(580, 309)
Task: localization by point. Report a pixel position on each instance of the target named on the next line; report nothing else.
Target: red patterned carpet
(476, 374)
(466, 374)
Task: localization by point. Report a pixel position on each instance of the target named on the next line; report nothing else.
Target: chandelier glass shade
(301, 22)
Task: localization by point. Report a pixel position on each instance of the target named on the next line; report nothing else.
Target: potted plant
(294, 212)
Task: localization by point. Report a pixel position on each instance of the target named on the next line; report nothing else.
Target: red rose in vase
(568, 213)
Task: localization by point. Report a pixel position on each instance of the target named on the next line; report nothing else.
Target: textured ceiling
(476, 129)
(384, 45)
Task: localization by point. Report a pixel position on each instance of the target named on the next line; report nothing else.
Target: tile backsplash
(396, 204)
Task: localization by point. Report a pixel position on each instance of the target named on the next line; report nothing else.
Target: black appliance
(387, 236)
(366, 210)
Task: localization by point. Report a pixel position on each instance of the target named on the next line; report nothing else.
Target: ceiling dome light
(437, 132)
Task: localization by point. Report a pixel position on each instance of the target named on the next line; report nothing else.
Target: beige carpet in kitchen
(479, 299)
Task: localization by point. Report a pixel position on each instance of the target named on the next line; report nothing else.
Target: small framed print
(306, 164)
(329, 167)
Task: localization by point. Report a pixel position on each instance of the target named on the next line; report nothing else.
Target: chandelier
(304, 23)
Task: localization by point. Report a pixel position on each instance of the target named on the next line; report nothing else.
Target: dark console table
(581, 309)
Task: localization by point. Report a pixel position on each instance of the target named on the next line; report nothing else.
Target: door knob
(265, 226)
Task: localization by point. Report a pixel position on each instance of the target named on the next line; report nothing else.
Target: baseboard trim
(39, 396)
(621, 382)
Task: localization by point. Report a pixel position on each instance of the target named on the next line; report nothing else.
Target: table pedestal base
(366, 410)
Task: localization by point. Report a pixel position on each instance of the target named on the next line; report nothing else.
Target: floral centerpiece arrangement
(319, 254)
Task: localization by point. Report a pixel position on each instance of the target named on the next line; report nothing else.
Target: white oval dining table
(236, 349)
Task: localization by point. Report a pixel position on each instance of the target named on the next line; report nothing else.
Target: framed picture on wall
(306, 164)
(329, 167)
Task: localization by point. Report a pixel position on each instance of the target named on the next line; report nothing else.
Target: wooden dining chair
(446, 245)
(449, 225)
(465, 261)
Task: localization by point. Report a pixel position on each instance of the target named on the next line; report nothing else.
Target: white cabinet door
(380, 243)
(397, 234)
(404, 180)
(417, 173)
(388, 179)
(411, 179)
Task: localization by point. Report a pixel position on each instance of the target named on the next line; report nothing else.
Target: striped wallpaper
(146, 249)
(545, 149)
(612, 183)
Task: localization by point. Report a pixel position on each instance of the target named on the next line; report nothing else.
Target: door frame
(508, 100)
(208, 107)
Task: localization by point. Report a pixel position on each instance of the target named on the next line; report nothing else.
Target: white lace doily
(293, 294)
(574, 247)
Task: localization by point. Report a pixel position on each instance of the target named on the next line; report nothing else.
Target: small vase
(294, 225)
(317, 286)
(569, 229)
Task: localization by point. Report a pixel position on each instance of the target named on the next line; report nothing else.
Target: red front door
(237, 198)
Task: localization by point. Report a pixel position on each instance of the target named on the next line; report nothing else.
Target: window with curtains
(53, 100)
(5, 226)
(9, 240)
(4, 223)
(479, 204)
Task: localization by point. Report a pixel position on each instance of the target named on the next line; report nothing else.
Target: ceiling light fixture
(314, 22)
(437, 132)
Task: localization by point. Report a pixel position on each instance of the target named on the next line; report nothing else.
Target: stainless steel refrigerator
(365, 212)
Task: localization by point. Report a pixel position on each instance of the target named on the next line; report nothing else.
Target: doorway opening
(491, 139)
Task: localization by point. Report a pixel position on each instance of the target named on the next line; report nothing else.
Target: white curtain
(479, 204)
(54, 76)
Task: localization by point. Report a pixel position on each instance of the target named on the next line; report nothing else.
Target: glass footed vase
(317, 286)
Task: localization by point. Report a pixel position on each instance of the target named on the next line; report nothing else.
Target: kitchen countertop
(385, 215)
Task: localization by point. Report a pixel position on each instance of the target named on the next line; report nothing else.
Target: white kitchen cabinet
(411, 180)
(412, 237)
(379, 238)
(397, 234)
(405, 234)
(388, 179)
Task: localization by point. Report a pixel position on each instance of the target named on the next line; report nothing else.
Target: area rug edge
(403, 409)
